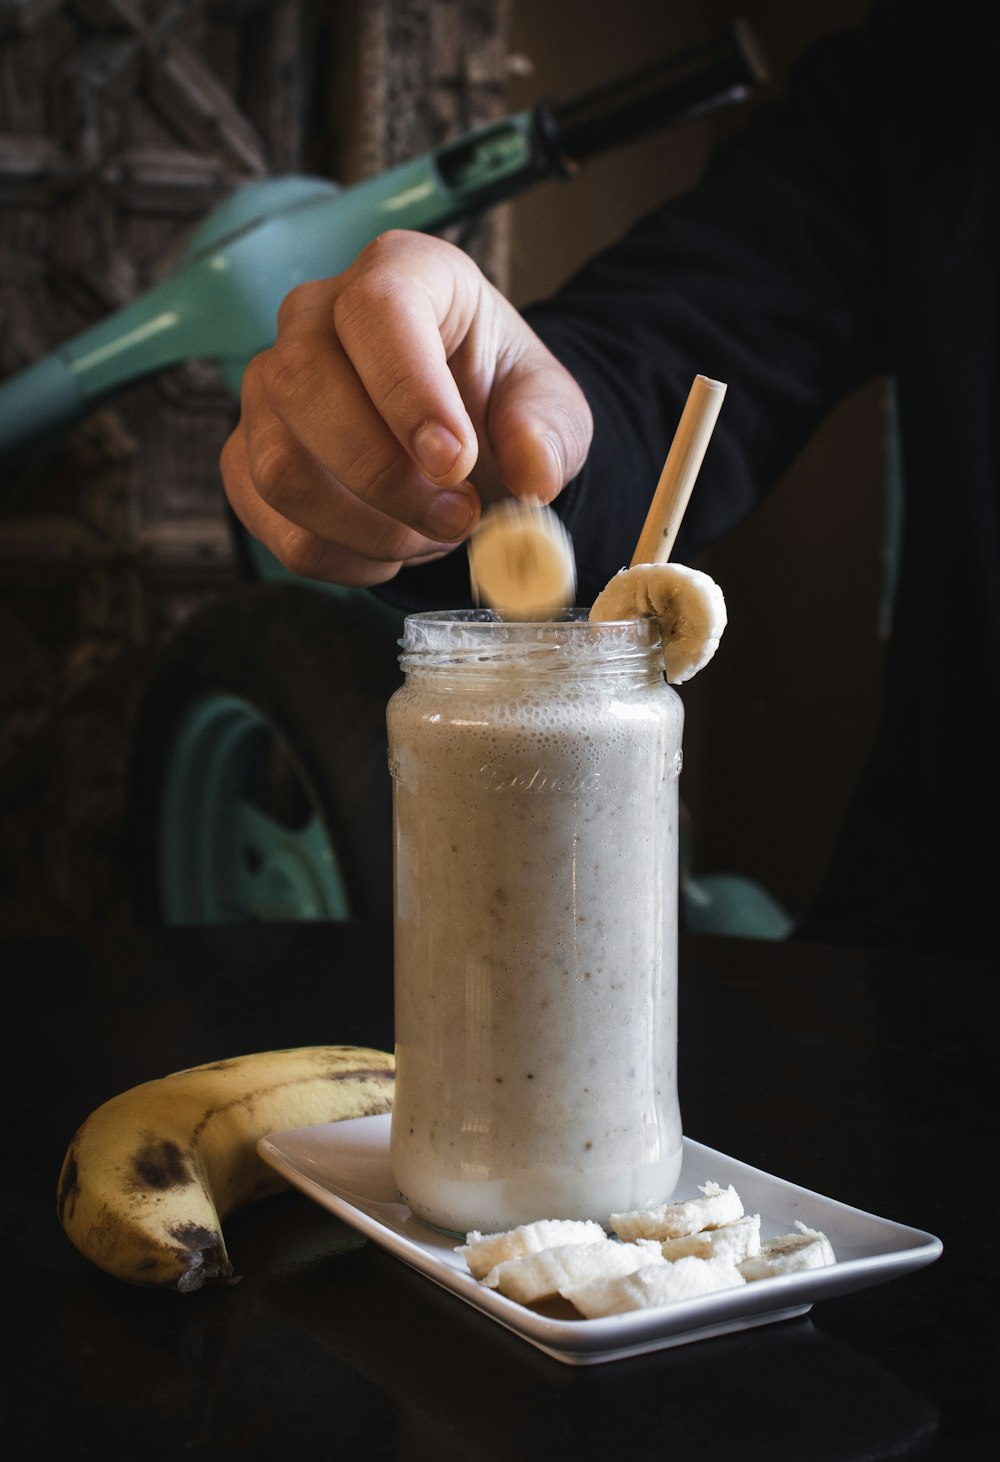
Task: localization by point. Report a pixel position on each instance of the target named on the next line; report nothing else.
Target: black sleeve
(765, 276)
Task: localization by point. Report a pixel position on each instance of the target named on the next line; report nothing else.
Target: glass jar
(535, 790)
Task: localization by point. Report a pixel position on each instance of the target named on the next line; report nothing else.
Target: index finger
(310, 384)
(400, 312)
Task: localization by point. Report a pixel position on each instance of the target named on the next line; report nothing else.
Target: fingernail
(449, 515)
(437, 448)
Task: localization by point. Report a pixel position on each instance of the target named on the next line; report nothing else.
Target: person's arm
(767, 276)
(763, 276)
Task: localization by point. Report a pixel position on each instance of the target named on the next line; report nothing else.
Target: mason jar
(535, 778)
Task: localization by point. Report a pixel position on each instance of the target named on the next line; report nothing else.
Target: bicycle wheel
(258, 787)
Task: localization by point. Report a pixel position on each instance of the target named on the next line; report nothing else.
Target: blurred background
(122, 123)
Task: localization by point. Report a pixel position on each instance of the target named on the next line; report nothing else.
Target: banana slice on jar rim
(688, 603)
(521, 561)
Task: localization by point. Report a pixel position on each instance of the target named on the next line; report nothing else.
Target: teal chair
(731, 904)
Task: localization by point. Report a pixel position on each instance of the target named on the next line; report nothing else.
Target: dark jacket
(850, 231)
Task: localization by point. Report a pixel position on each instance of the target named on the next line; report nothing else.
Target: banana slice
(790, 1254)
(676, 1220)
(688, 603)
(653, 1284)
(482, 1252)
(734, 1241)
(521, 561)
(542, 1276)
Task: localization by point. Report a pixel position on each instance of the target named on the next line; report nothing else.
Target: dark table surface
(868, 1077)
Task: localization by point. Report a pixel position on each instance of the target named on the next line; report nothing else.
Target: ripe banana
(151, 1174)
(688, 603)
(521, 561)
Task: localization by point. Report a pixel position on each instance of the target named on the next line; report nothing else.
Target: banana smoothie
(535, 784)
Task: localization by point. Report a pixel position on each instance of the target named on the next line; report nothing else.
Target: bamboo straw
(687, 450)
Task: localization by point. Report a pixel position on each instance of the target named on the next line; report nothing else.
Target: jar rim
(440, 635)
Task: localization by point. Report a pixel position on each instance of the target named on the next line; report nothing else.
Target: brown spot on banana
(160, 1164)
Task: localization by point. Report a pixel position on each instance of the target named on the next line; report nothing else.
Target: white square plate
(344, 1166)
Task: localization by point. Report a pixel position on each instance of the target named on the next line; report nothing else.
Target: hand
(398, 398)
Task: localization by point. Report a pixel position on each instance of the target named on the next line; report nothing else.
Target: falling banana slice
(688, 603)
(521, 561)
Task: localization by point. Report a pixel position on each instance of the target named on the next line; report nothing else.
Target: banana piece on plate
(482, 1252)
(790, 1254)
(653, 1284)
(521, 561)
(542, 1276)
(150, 1175)
(734, 1241)
(688, 604)
(716, 1207)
